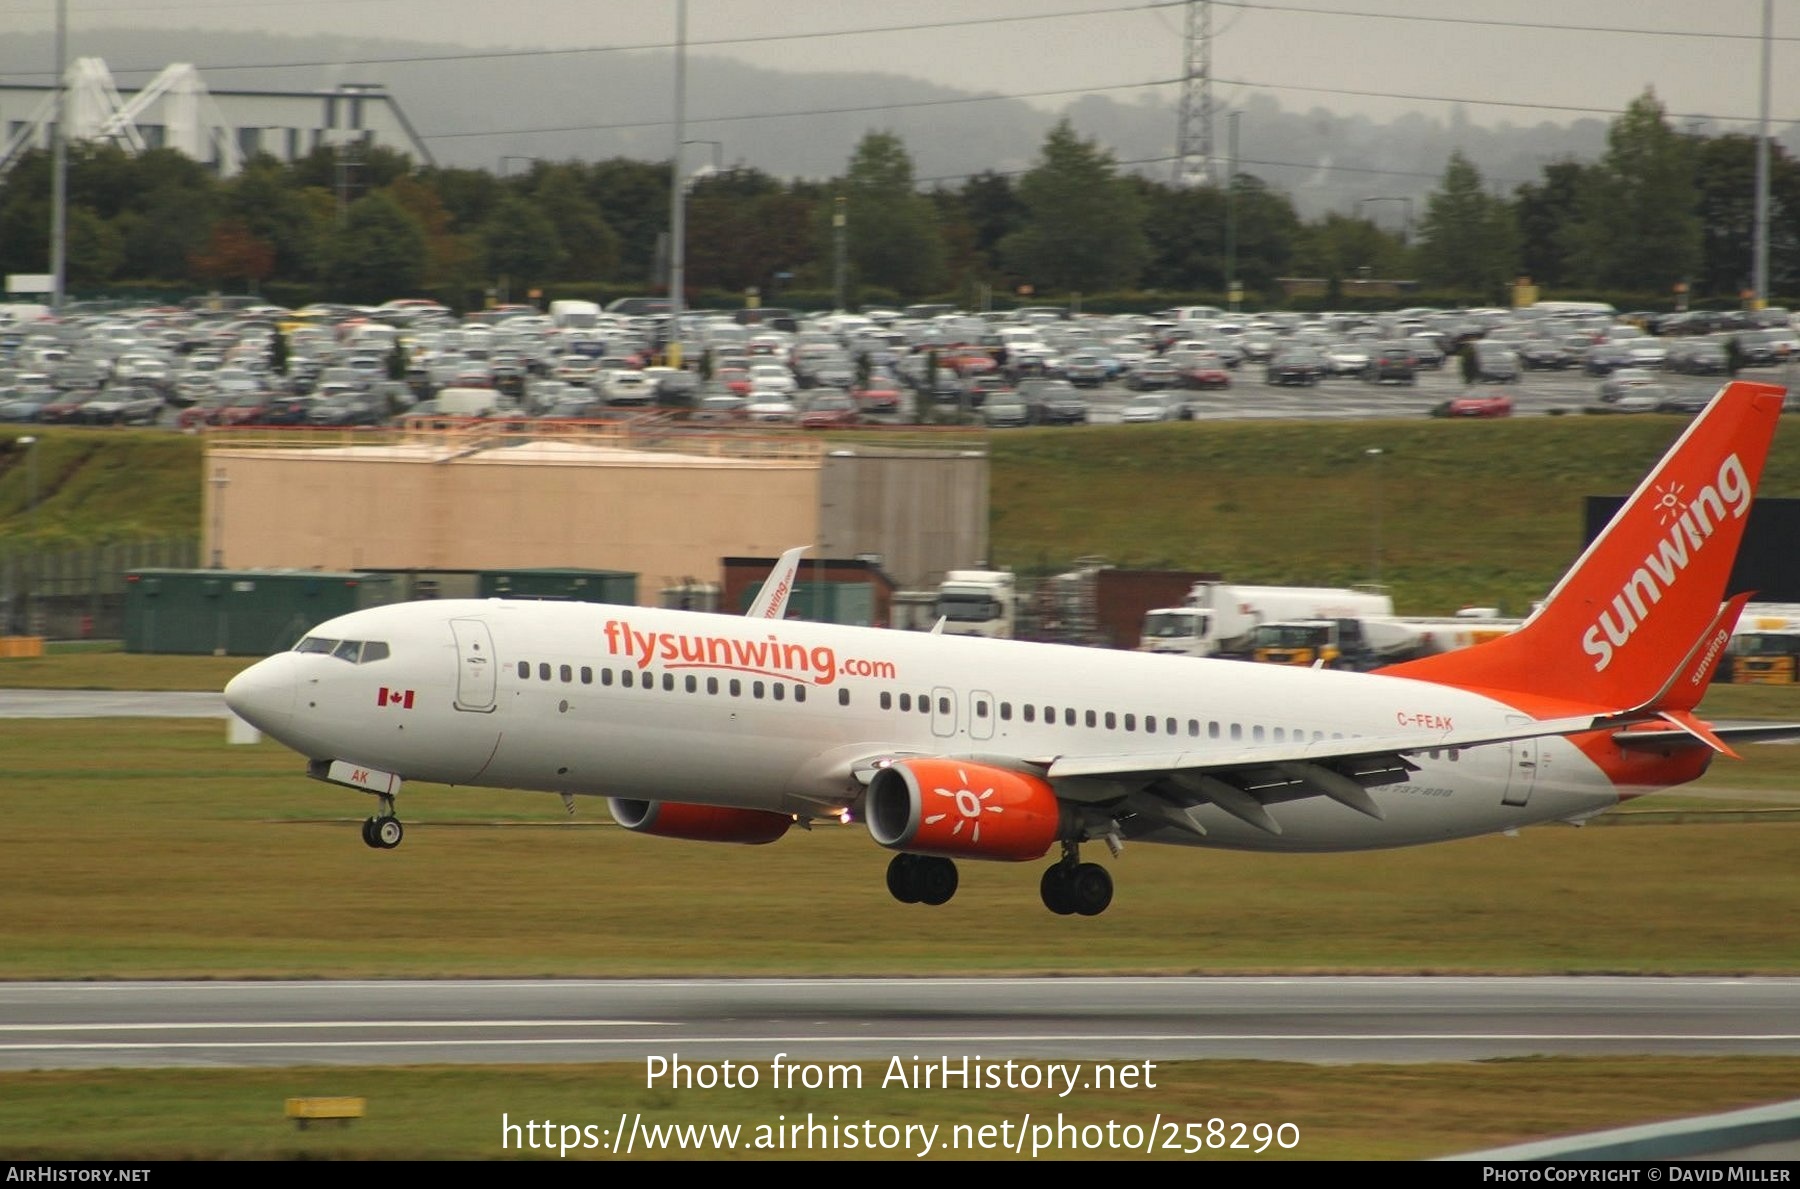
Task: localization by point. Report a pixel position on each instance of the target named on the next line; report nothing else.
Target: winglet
(1628, 614)
(772, 600)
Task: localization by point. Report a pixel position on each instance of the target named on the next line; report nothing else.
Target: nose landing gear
(383, 831)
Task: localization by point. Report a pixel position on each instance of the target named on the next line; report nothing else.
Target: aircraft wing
(1317, 751)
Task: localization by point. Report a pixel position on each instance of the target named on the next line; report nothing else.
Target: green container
(576, 586)
(239, 612)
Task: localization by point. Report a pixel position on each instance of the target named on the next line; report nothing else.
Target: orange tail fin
(1627, 616)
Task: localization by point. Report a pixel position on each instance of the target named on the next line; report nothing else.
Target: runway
(86, 703)
(1323, 1020)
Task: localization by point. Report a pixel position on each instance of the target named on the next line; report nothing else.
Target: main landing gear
(383, 831)
(1072, 887)
(1069, 887)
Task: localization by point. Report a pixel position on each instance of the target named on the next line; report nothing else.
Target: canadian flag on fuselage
(1633, 607)
(394, 697)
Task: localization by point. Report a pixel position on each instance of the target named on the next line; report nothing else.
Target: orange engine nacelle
(962, 810)
(699, 823)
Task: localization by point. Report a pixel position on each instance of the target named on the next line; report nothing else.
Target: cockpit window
(357, 652)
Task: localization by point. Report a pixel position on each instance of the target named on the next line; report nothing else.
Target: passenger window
(737, 688)
(981, 708)
(525, 669)
(606, 677)
(799, 693)
(843, 697)
(1150, 724)
(1112, 720)
(1168, 726)
(1006, 712)
(943, 705)
(693, 684)
(906, 701)
(1030, 712)
(625, 678)
(1256, 734)
(924, 704)
(567, 674)
(1280, 735)
(587, 675)
(1193, 728)
(543, 671)
(712, 685)
(1237, 732)
(1131, 722)
(1092, 718)
(374, 650)
(1212, 730)
(887, 699)
(669, 682)
(1069, 716)
(1050, 714)
(778, 691)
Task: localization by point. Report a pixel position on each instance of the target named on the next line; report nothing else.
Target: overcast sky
(1566, 59)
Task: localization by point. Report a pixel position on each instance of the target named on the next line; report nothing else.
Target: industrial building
(221, 128)
(667, 506)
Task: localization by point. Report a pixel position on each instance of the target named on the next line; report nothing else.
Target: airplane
(732, 729)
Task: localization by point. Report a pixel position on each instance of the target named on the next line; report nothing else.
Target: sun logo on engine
(970, 804)
(1669, 504)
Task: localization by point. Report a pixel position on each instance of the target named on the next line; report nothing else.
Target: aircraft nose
(263, 694)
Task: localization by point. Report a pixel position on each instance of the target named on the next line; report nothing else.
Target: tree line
(1660, 209)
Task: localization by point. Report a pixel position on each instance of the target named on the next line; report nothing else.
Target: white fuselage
(533, 695)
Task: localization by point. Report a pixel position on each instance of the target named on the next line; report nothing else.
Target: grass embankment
(95, 487)
(149, 848)
(1486, 513)
(1342, 1112)
(1470, 512)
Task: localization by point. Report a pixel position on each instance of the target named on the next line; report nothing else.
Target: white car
(772, 377)
(629, 388)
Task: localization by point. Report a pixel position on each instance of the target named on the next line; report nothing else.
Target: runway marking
(904, 1041)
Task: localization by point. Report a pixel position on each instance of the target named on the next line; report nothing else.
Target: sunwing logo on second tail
(1693, 526)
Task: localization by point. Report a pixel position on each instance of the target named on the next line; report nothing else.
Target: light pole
(219, 484)
(30, 443)
(678, 194)
(1374, 453)
(838, 228)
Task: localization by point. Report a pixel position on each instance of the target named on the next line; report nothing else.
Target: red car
(877, 398)
(1497, 405)
(829, 412)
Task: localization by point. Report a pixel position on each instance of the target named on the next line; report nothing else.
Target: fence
(79, 594)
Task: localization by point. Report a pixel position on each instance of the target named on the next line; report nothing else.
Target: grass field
(1341, 1112)
(150, 848)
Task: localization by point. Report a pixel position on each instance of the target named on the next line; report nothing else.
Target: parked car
(1152, 407)
(1495, 364)
(1392, 362)
(1497, 404)
(829, 410)
(1296, 366)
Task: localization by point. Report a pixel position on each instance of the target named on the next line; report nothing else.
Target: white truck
(1218, 617)
(978, 603)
